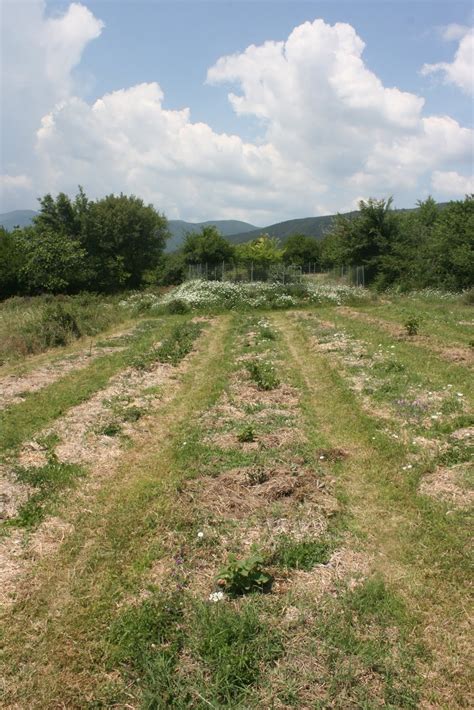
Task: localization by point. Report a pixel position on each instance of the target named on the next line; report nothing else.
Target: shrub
(177, 306)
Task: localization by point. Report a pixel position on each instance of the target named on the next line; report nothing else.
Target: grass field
(254, 509)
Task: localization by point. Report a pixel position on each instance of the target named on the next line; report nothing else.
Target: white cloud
(452, 184)
(39, 55)
(22, 182)
(330, 131)
(460, 71)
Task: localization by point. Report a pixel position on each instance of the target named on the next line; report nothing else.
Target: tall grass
(32, 325)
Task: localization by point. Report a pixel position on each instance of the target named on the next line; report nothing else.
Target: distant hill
(17, 218)
(227, 227)
(310, 226)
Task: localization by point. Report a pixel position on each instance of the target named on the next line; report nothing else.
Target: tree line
(118, 243)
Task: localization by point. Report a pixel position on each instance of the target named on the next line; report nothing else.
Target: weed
(131, 414)
(239, 577)
(263, 373)
(177, 306)
(110, 429)
(412, 325)
(246, 434)
(256, 476)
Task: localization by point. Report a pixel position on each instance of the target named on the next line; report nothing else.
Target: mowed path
(124, 525)
(410, 543)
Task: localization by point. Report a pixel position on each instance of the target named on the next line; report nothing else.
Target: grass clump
(110, 429)
(48, 482)
(263, 373)
(172, 350)
(367, 633)
(301, 554)
(224, 649)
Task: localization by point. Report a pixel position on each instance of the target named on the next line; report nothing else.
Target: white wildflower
(216, 596)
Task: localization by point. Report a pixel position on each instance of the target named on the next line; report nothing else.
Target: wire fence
(281, 273)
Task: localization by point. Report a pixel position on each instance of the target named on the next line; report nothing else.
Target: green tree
(366, 239)
(262, 251)
(11, 259)
(123, 237)
(52, 262)
(207, 247)
(300, 249)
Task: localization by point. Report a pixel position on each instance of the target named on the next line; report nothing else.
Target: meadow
(237, 496)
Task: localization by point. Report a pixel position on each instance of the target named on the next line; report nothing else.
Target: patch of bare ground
(345, 565)
(445, 484)
(452, 353)
(241, 492)
(12, 494)
(80, 441)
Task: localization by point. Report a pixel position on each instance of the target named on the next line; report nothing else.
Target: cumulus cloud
(460, 71)
(452, 183)
(330, 132)
(39, 56)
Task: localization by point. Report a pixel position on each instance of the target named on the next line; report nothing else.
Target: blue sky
(99, 102)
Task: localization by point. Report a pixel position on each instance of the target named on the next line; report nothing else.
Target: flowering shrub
(228, 295)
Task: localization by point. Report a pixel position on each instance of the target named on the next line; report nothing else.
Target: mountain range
(236, 231)
(177, 227)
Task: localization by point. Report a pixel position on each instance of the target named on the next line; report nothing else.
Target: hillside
(17, 218)
(227, 227)
(310, 226)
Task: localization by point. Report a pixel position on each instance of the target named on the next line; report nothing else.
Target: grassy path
(67, 602)
(419, 549)
(261, 441)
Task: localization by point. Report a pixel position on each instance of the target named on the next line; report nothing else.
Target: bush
(177, 306)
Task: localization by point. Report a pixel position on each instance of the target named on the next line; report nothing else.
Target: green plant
(110, 429)
(267, 333)
(263, 373)
(412, 325)
(246, 434)
(47, 481)
(301, 554)
(131, 414)
(177, 306)
(239, 577)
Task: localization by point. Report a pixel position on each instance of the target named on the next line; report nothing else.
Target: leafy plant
(412, 325)
(247, 434)
(263, 373)
(240, 577)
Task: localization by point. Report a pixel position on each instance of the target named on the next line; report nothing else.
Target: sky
(259, 110)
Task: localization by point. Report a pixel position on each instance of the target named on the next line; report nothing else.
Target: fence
(281, 273)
